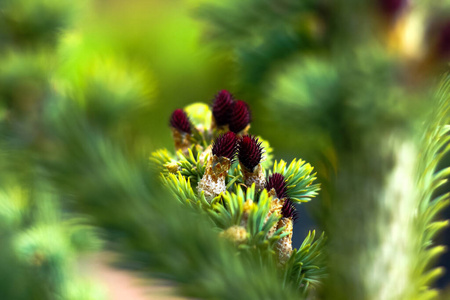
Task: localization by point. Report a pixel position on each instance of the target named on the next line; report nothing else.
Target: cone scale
(213, 181)
(182, 140)
(284, 245)
(275, 208)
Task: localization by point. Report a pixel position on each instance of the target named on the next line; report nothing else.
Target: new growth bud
(222, 108)
(225, 146)
(250, 156)
(229, 114)
(223, 153)
(248, 206)
(181, 130)
(288, 210)
(240, 118)
(180, 121)
(250, 152)
(276, 186)
(236, 234)
(277, 182)
(284, 245)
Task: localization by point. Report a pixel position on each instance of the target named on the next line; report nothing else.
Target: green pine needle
(299, 180)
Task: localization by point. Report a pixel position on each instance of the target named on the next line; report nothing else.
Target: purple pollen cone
(288, 210)
(240, 116)
(250, 152)
(180, 121)
(277, 181)
(222, 107)
(225, 146)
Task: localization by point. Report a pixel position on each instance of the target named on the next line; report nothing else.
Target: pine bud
(181, 130)
(278, 182)
(222, 108)
(180, 121)
(275, 208)
(172, 167)
(284, 245)
(223, 153)
(240, 118)
(236, 234)
(248, 206)
(225, 146)
(250, 156)
(288, 210)
(276, 186)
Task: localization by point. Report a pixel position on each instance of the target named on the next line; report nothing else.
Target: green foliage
(28, 22)
(157, 235)
(346, 97)
(200, 115)
(332, 89)
(305, 266)
(299, 179)
(192, 166)
(262, 46)
(161, 159)
(239, 211)
(223, 18)
(258, 227)
(40, 246)
(41, 240)
(268, 154)
(234, 176)
(230, 209)
(23, 82)
(182, 189)
(436, 144)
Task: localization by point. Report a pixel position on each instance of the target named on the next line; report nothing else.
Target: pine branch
(244, 211)
(40, 245)
(305, 266)
(231, 21)
(299, 179)
(436, 144)
(178, 244)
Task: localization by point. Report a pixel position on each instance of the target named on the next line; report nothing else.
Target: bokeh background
(331, 82)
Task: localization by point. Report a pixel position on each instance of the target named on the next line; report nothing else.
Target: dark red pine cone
(225, 145)
(250, 152)
(240, 116)
(277, 181)
(222, 107)
(288, 210)
(180, 121)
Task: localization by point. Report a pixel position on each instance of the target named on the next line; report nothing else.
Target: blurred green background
(327, 81)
